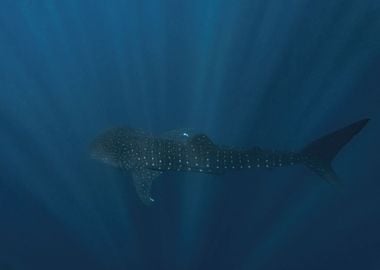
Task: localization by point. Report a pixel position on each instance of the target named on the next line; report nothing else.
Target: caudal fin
(320, 153)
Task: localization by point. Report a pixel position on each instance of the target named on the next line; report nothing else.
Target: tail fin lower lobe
(320, 153)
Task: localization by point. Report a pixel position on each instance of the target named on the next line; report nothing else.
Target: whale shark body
(147, 156)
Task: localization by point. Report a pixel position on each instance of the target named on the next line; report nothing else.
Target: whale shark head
(112, 146)
(117, 147)
(105, 148)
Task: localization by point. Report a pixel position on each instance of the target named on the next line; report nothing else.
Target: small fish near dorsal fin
(143, 179)
(201, 141)
(179, 135)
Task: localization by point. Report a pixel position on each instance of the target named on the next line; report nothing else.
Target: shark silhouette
(147, 156)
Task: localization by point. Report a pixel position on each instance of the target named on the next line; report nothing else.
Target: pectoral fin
(142, 179)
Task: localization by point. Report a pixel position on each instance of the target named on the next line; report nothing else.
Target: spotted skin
(147, 156)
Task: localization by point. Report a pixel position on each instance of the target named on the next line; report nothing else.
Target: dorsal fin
(201, 140)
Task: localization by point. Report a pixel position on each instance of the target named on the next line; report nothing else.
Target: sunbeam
(247, 73)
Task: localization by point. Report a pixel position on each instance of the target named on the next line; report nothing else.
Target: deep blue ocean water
(275, 74)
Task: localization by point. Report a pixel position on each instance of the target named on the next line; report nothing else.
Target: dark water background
(271, 73)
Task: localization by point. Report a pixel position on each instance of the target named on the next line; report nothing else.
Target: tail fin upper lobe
(320, 153)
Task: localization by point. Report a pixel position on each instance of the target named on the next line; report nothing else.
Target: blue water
(274, 74)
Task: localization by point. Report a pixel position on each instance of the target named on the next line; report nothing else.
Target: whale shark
(147, 156)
